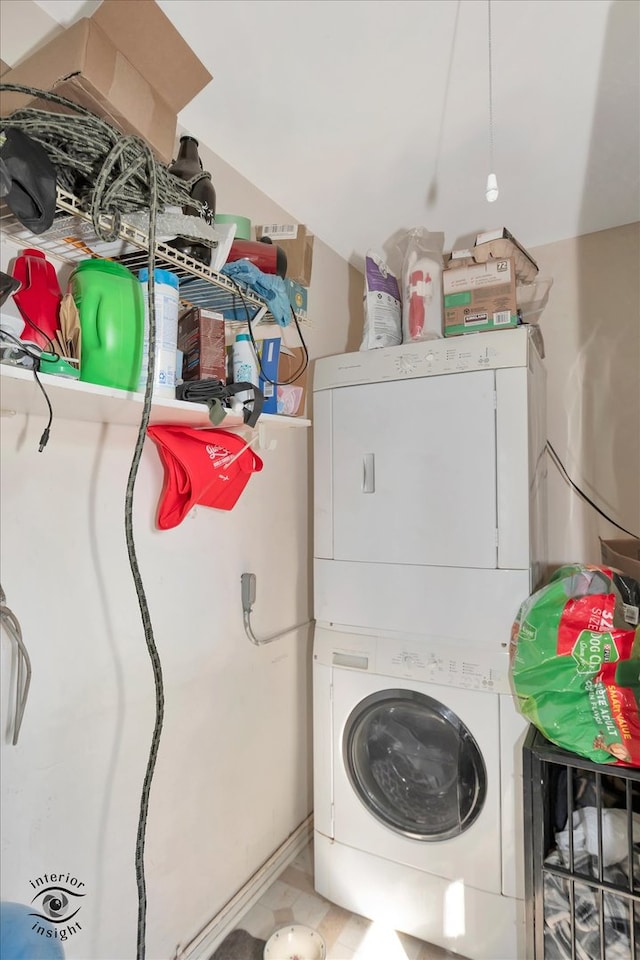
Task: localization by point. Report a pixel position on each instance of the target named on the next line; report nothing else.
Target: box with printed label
(292, 377)
(297, 243)
(479, 296)
(622, 554)
(298, 298)
(201, 337)
(269, 357)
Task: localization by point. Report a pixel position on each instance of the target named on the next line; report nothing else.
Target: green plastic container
(111, 307)
(243, 224)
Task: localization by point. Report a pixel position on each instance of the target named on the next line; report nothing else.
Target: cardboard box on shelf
(297, 243)
(269, 361)
(292, 397)
(201, 337)
(510, 244)
(479, 296)
(298, 298)
(622, 554)
(127, 64)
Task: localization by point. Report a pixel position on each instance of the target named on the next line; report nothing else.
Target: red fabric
(199, 469)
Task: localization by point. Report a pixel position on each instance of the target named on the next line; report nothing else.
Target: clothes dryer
(429, 486)
(418, 789)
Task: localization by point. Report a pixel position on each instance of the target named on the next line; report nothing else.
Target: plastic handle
(368, 473)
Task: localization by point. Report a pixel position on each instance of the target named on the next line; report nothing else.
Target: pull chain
(492, 181)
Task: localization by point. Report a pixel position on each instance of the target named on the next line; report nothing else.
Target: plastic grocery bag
(422, 303)
(575, 663)
(382, 311)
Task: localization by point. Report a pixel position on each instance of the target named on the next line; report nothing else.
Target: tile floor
(292, 899)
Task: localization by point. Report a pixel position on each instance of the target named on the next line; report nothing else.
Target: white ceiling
(364, 117)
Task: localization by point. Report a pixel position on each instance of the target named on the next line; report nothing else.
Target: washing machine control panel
(466, 671)
(444, 662)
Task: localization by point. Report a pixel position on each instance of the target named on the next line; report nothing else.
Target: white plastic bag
(382, 311)
(422, 263)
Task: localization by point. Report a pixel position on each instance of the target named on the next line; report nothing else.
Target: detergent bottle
(167, 300)
(38, 299)
(245, 364)
(110, 304)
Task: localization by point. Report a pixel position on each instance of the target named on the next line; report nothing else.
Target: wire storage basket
(582, 855)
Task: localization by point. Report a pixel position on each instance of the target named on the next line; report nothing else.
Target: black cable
(101, 183)
(559, 464)
(27, 346)
(36, 357)
(44, 439)
(42, 334)
(305, 352)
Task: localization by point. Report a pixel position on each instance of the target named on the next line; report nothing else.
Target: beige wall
(336, 288)
(591, 329)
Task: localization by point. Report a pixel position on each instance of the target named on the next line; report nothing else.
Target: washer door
(414, 765)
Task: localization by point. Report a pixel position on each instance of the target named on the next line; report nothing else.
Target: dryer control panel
(477, 351)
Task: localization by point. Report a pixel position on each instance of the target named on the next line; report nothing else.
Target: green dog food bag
(575, 663)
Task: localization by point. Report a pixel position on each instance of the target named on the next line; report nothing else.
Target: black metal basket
(582, 883)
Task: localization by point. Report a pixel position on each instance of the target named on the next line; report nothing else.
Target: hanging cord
(491, 167)
(305, 352)
(115, 158)
(559, 464)
(23, 672)
(36, 357)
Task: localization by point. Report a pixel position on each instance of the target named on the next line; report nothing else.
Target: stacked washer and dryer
(429, 509)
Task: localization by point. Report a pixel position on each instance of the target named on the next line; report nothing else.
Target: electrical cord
(28, 350)
(248, 593)
(42, 333)
(559, 464)
(305, 361)
(101, 183)
(23, 672)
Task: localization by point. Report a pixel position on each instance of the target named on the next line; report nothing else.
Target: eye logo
(57, 901)
(56, 905)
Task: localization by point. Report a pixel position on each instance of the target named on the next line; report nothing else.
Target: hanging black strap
(217, 395)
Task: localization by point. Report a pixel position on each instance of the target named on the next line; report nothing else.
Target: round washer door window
(414, 765)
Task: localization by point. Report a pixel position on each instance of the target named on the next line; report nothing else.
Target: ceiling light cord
(492, 181)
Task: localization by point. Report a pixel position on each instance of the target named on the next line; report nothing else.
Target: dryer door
(414, 764)
(414, 472)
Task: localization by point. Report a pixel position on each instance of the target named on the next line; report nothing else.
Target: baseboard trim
(213, 933)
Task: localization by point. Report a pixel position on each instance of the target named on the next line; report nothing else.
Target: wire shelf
(72, 238)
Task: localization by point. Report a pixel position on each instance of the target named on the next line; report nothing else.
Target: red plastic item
(206, 467)
(416, 303)
(38, 298)
(267, 257)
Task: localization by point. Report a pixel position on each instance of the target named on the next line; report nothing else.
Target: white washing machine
(418, 789)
